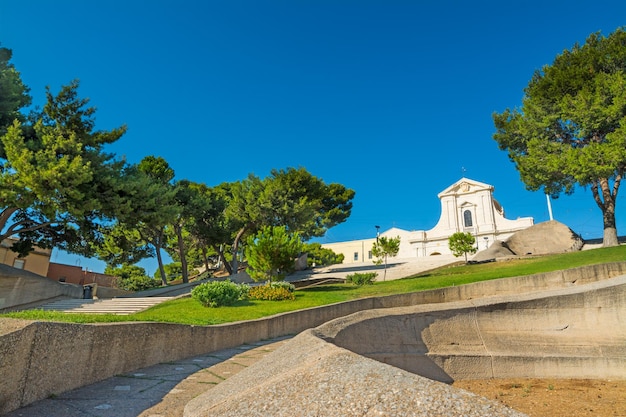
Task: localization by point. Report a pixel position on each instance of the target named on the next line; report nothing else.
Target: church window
(356, 256)
(467, 218)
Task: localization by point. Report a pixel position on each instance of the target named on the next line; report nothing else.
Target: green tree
(132, 278)
(161, 210)
(14, 94)
(57, 185)
(571, 127)
(293, 198)
(461, 244)
(271, 253)
(151, 207)
(185, 196)
(319, 256)
(383, 248)
(174, 271)
(123, 246)
(209, 228)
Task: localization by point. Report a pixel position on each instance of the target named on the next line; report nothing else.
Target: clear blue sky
(390, 98)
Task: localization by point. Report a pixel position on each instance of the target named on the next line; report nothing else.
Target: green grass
(189, 311)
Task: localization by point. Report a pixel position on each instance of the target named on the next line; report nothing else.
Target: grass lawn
(190, 311)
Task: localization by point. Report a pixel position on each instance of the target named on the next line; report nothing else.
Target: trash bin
(87, 292)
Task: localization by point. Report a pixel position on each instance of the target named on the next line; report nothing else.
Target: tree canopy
(14, 95)
(57, 185)
(293, 198)
(461, 244)
(571, 127)
(155, 205)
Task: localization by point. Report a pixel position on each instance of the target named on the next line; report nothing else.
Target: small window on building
(18, 263)
(467, 218)
(356, 256)
(369, 255)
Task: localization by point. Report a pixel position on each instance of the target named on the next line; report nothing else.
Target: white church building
(466, 206)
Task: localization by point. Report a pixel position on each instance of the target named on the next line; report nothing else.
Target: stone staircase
(121, 306)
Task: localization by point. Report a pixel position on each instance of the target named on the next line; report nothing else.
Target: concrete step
(120, 306)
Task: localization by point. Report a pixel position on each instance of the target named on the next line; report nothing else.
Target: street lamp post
(377, 232)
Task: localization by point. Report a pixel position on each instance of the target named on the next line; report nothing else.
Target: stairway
(121, 306)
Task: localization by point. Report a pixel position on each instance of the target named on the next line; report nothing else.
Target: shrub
(219, 293)
(138, 283)
(282, 284)
(272, 292)
(362, 278)
(271, 253)
(132, 278)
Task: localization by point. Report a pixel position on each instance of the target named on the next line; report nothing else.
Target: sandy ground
(554, 397)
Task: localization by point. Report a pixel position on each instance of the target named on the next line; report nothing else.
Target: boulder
(544, 238)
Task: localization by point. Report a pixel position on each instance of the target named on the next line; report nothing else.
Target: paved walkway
(157, 391)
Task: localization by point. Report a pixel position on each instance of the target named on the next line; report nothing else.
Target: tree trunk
(235, 264)
(158, 244)
(385, 273)
(181, 252)
(4, 218)
(220, 253)
(605, 199)
(160, 261)
(610, 237)
(205, 258)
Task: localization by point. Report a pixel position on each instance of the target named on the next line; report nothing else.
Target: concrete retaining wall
(43, 358)
(20, 288)
(570, 332)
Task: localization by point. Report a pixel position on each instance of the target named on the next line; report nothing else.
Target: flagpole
(549, 206)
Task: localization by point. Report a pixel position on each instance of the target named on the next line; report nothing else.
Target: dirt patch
(554, 397)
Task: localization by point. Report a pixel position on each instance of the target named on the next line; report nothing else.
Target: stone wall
(44, 358)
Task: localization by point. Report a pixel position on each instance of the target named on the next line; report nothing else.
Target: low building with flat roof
(36, 261)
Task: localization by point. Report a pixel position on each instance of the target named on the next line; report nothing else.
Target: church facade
(466, 206)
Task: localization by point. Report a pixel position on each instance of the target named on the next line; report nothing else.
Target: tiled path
(158, 391)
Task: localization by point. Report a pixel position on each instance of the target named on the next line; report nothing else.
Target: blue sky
(390, 98)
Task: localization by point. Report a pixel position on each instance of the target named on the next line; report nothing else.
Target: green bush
(219, 293)
(132, 278)
(362, 279)
(271, 292)
(138, 283)
(282, 284)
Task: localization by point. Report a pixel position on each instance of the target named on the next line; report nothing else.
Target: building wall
(355, 251)
(466, 206)
(36, 261)
(76, 275)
